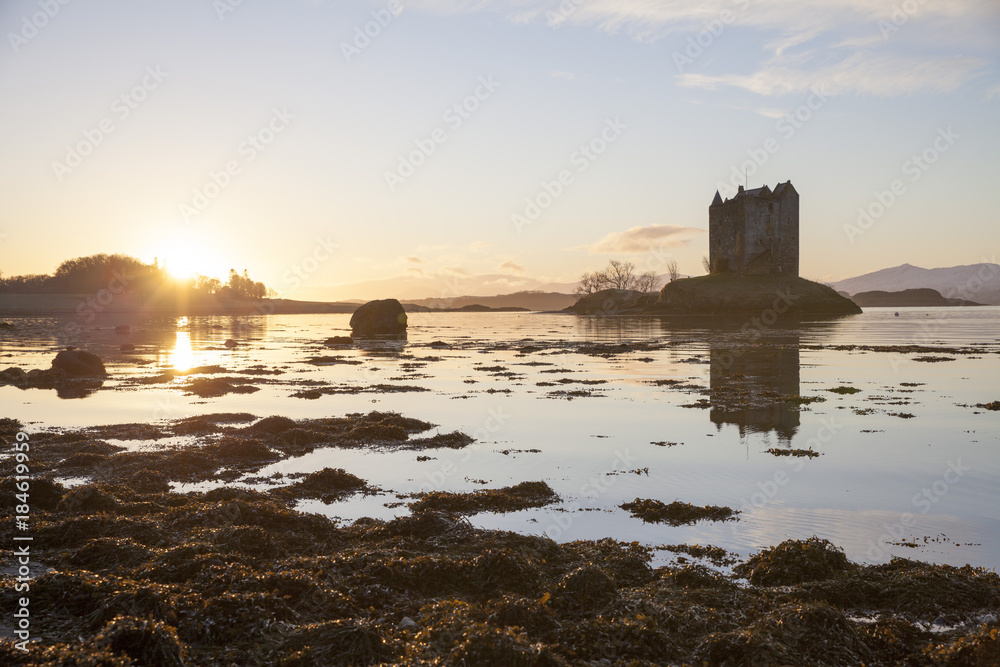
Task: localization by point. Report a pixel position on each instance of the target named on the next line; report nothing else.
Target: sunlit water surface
(882, 480)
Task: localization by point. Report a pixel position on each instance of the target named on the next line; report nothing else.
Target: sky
(343, 149)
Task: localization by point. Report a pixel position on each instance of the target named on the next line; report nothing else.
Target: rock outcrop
(379, 318)
(79, 363)
(613, 302)
(725, 294)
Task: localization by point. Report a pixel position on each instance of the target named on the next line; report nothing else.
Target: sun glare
(182, 356)
(185, 257)
(181, 267)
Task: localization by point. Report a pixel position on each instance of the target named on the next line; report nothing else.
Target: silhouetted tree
(672, 270)
(621, 275)
(647, 282)
(618, 275)
(591, 282)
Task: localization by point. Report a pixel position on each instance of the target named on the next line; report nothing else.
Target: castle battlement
(756, 232)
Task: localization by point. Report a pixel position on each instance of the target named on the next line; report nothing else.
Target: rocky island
(753, 267)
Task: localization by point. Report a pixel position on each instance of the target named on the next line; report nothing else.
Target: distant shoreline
(87, 306)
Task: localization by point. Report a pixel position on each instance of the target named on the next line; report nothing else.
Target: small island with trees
(119, 283)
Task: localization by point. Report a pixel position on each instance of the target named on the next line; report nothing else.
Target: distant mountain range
(531, 300)
(979, 283)
(974, 282)
(455, 291)
(412, 288)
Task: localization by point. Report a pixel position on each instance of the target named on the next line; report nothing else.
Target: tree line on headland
(117, 273)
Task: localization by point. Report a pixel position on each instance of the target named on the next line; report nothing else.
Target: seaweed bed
(508, 499)
(677, 513)
(139, 574)
(808, 453)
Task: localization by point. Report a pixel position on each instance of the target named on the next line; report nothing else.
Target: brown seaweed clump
(507, 499)
(145, 641)
(794, 562)
(809, 453)
(677, 513)
(329, 485)
(844, 390)
(340, 642)
(213, 387)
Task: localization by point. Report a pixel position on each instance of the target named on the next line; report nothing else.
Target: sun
(185, 257)
(181, 267)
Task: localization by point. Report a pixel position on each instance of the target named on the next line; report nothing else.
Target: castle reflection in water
(749, 383)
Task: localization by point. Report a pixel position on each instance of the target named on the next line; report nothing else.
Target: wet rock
(12, 375)
(230, 343)
(381, 317)
(127, 347)
(66, 386)
(79, 363)
(123, 329)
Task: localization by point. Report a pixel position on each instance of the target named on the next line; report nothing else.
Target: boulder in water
(79, 363)
(381, 317)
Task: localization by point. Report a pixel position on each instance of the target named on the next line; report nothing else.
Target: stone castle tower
(756, 232)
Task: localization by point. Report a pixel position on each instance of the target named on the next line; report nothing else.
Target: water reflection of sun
(182, 356)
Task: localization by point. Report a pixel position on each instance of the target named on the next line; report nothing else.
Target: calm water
(881, 479)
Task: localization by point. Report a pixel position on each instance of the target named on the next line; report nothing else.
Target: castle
(756, 232)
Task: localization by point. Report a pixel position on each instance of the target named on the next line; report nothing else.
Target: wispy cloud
(511, 266)
(414, 260)
(788, 41)
(860, 73)
(842, 45)
(644, 17)
(644, 239)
